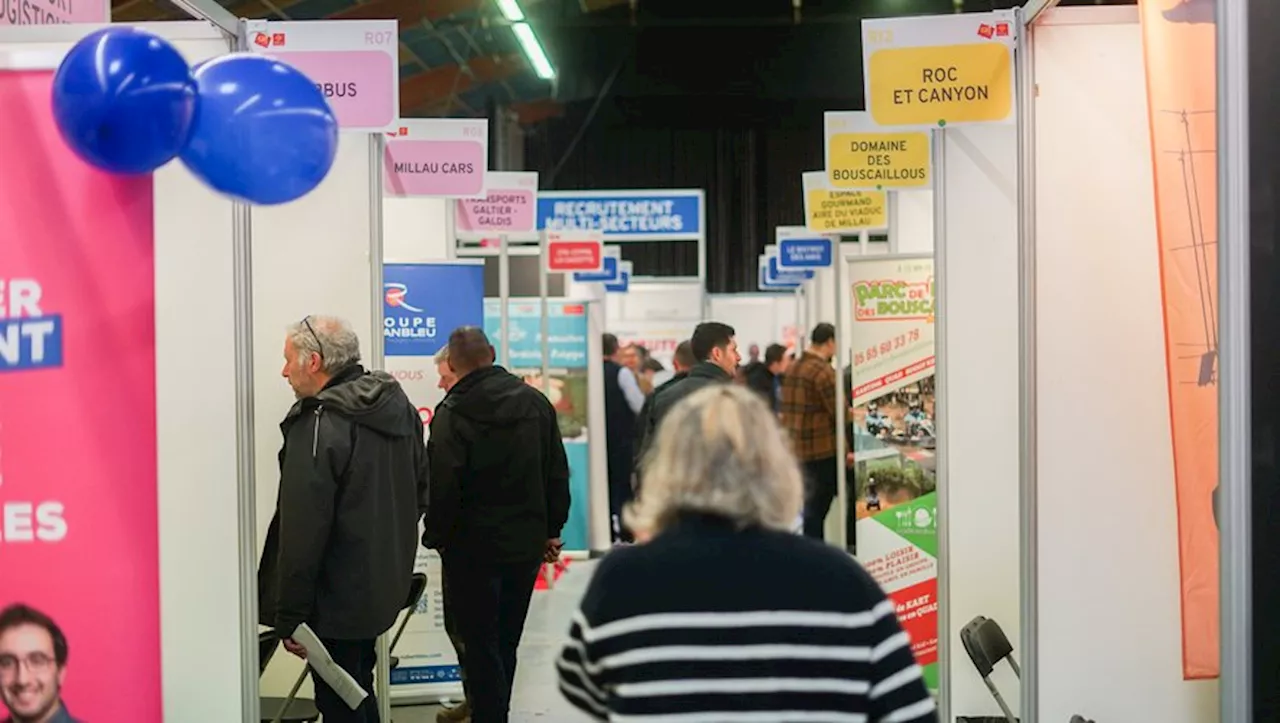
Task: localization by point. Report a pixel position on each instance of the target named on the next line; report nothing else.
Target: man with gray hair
(340, 550)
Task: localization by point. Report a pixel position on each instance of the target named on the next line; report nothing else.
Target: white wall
(311, 256)
(911, 222)
(978, 399)
(196, 415)
(414, 230)
(657, 314)
(1109, 616)
(760, 319)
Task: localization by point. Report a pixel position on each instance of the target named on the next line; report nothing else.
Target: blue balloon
(263, 132)
(124, 100)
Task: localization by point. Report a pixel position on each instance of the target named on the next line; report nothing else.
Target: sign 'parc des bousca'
(938, 71)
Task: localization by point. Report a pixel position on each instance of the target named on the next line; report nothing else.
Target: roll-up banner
(79, 533)
(422, 304)
(567, 347)
(891, 432)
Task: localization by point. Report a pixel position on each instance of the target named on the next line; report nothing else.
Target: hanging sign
(507, 206)
(939, 70)
(830, 211)
(55, 12)
(661, 215)
(624, 279)
(438, 157)
(766, 282)
(609, 268)
(861, 155)
(355, 63)
(798, 249)
(569, 251)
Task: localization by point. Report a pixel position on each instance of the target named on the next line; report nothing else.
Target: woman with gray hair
(682, 628)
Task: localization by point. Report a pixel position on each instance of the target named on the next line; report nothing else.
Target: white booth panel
(978, 402)
(414, 229)
(1109, 622)
(196, 426)
(760, 319)
(309, 257)
(911, 222)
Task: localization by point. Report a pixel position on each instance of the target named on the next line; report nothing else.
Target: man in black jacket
(765, 377)
(716, 353)
(499, 498)
(340, 550)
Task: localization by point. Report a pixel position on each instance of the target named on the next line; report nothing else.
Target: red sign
(568, 256)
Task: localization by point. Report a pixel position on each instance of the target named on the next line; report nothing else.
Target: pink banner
(54, 12)
(78, 469)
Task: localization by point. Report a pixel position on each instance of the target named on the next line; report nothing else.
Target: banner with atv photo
(890, 388)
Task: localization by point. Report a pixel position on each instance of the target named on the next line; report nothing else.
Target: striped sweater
(706, 624)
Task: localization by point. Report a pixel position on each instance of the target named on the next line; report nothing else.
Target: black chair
(417, 587)
(987, 645)
(288, 709)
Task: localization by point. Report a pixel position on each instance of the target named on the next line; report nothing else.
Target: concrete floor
(536, 696)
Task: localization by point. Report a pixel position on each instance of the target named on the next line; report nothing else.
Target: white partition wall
(311, 256)
(1107, 519)
(761, 319)
(978, 398)
(199, 531)
(416, 229)
(911, 222)
(657, 314)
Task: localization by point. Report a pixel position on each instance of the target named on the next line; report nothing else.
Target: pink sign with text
(354, 63)
(78, 450)
(442, 158)
(507, 208)
(54, 12)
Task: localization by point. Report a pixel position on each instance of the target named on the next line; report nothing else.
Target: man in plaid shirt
(808, 411)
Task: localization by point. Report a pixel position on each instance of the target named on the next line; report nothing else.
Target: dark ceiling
(459, 57)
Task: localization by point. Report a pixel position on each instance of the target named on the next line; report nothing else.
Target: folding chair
(986, 644)
(288, 709)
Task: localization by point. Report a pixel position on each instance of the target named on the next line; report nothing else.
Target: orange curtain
(1178, 39)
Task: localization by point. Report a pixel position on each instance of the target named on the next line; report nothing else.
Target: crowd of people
(707, 476)
(797, 387)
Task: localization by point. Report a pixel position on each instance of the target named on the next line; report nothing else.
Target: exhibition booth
(1032, 354)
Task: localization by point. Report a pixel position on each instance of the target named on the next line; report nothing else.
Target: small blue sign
(657, 216)
(787, 276)
(621, 285)
(423, 303)
(608, 274)
(804, 253)
(765, 284)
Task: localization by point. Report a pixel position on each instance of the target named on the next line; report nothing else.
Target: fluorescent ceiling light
(533, 50)
(511, 10)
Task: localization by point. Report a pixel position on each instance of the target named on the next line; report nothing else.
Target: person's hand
(848, 459)
(294, 647)
(554, 546)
